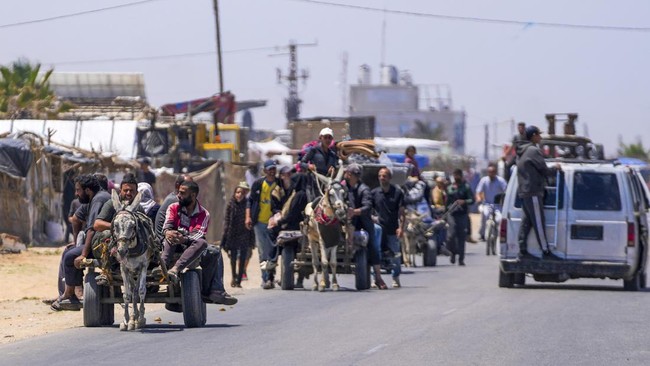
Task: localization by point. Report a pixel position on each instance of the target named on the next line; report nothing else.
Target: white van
(599, 226)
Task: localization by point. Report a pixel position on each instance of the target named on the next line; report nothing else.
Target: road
(442, 315)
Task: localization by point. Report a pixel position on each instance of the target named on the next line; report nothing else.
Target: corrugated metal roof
(95, 85)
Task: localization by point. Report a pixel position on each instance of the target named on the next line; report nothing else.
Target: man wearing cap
(259, 209)
(321, 158)
(360, 213)
(531, 175)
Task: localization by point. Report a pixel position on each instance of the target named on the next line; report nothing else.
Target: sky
(498, 72)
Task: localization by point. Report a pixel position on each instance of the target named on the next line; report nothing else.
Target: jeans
(392, 243)
(266, 248)
(374, 247)
(211, 270)
(484, 209)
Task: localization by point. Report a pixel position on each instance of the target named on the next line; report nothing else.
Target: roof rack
(583, 161)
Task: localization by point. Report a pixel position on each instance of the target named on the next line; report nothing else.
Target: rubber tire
(194, 311)
(108, 310)
(642, 281)
(634, 284)
(506, 280)
(430, 254)
(519, 279)
(92, 309)
(361, 269)
(286, 274)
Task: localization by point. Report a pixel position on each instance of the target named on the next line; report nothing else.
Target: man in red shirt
(186, 224)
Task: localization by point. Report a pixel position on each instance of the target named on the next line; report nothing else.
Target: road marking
(449, 311)
(375, 349)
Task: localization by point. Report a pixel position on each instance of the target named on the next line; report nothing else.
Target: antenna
(344, 82)
(293, 101)
(383, 43)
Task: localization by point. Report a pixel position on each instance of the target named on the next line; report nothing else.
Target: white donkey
(134, 251)
(325, 224)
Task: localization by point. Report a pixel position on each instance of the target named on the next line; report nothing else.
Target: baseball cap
(326, 132)
(354, 169)
(285, 169)
(244, 185)
(531, 130)
(269, 164)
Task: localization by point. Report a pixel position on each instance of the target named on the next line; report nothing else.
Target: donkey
(416, 235)
(326, 221)
(133, 250)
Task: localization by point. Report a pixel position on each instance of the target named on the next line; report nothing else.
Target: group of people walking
(257, 212)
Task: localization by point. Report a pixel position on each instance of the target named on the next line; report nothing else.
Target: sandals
(381, 285)
(70, 304)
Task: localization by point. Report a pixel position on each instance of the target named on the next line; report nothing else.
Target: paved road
(444, 315)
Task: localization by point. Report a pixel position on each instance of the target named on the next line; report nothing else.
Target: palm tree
(26, 94)
(634, 151)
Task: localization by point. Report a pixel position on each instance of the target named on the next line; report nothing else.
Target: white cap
(326, 131)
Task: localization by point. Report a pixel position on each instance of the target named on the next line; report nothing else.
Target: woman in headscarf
(148, 204)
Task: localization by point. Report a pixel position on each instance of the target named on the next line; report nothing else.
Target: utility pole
(293, 101)
(219, 65)
(486, 143)
(344, 83)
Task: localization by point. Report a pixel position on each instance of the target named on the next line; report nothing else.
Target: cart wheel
(361, 269)
(429, 254)
(288, 255)
(92, 309)
(194, 311)
(108, 310)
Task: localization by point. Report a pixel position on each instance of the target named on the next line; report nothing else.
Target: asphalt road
(442, 315)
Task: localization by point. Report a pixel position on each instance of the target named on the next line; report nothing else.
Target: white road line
(375, 349)
(449, 311)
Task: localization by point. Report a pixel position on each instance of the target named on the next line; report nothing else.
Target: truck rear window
(596, 192)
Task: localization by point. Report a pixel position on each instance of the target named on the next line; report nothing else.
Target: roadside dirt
(29, 277)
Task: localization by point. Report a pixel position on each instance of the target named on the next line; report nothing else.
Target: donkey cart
(297, 258)
(185, 297)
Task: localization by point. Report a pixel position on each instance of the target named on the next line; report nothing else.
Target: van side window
(549, 193)
(596, 192)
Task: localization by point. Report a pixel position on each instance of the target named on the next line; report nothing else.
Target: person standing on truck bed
(531, 175)
(321, 158)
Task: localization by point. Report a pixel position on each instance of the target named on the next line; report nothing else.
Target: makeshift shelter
(33, 178)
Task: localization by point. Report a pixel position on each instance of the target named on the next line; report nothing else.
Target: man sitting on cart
(321, 159)
(186, 224)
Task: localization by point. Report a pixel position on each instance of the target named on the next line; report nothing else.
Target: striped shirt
(196, 223)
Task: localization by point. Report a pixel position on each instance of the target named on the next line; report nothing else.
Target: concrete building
(395, 103)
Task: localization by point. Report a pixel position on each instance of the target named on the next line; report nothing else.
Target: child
(237, 240)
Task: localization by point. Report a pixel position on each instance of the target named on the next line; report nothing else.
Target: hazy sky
(497, 72)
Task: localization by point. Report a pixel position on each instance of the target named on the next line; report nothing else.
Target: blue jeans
(392, 243)
(374, 248)
(265, 247)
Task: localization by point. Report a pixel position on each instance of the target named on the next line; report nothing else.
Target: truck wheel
(506, 279)
(519, 279)
(194, 311)
(642, 281)
(92, 308)
(361, 269)
(632, 285)
(429, 254)
(288, 256)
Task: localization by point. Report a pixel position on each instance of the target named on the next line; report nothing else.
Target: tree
(634, 150)
(26, 94)
(424, 130)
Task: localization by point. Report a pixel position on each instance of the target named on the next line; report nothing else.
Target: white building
(395, 103)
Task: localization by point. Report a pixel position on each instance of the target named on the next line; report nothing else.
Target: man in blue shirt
(488, 187)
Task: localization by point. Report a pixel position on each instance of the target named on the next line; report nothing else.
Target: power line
(159, 57)
(71, 15)
(481, 20)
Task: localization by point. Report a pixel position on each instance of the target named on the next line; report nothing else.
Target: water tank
(389, 75)
(405, 78)
(364, 75)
